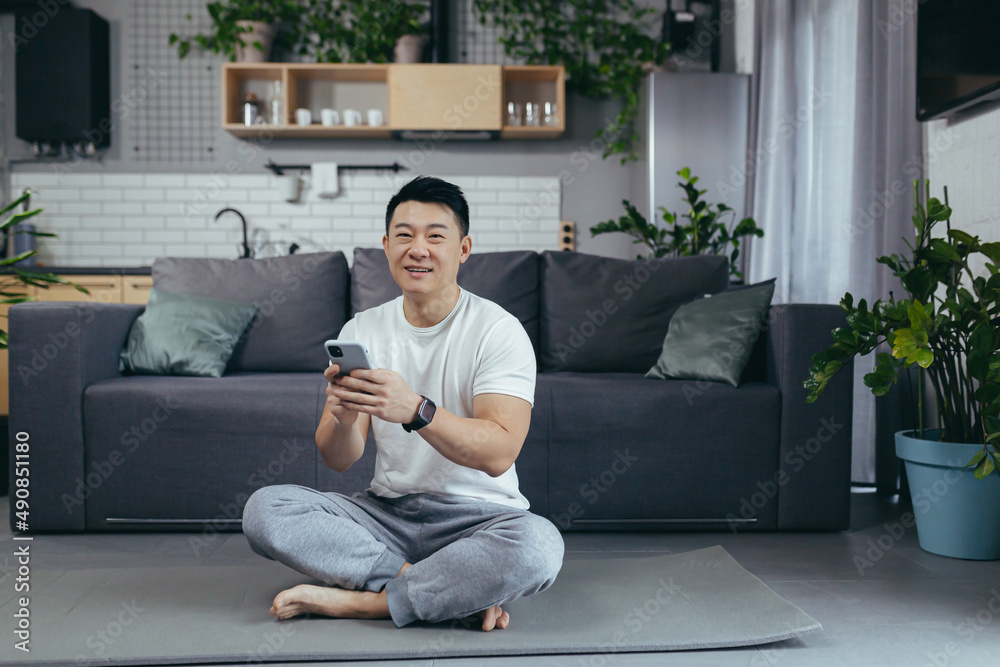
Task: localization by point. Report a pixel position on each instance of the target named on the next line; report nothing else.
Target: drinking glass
(531, 116)
(514, 113)
(550, 116)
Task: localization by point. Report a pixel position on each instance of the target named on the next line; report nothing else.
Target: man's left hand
(380, 392)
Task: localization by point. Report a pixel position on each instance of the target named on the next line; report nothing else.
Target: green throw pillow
(711, 339)
(184, 335)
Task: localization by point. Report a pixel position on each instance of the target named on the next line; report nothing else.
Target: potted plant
(242, 29)
(12, 285)
(359, 31)
(706, 230)
(949, 327)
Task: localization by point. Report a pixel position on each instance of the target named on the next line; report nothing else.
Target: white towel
(324, 179)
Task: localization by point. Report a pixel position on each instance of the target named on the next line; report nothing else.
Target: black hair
(431, 190)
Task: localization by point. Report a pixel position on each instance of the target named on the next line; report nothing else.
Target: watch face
(426, 411)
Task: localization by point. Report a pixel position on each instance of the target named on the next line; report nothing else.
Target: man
(443, 531)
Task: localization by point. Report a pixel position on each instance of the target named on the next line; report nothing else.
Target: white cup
(290, 187)
(374, 117)
(329, 117)
(303, 117)
(352, 117)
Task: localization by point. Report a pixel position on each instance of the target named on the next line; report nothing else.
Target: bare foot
(322, 600)
(494, 617)
(331, 601)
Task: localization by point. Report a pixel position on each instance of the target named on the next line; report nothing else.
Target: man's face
(425, 247)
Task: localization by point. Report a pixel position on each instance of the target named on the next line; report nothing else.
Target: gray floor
(880, 598)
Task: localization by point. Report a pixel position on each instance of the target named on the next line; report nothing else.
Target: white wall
(131, 219)
(963, 153)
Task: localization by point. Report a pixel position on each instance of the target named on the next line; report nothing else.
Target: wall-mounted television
(958, 55)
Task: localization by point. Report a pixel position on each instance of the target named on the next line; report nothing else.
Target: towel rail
(279, 169)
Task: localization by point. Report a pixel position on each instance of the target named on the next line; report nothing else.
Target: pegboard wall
(173, 101)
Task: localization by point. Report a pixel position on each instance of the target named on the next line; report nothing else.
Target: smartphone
(349, 355)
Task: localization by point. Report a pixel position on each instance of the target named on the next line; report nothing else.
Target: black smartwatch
(425, 413)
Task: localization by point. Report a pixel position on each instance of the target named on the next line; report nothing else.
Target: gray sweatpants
(467, 555)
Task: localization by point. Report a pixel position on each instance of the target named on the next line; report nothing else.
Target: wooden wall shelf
(410, 97)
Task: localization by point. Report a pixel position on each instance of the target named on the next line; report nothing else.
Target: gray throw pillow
(301, 302)
(711, 339)
(180, 334)
(607, 315)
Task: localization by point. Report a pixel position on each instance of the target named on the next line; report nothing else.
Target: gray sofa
(607, 448)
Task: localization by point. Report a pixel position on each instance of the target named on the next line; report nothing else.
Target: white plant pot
(263, 33)
(409, 48)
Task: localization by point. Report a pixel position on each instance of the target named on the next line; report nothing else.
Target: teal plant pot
(957, 515)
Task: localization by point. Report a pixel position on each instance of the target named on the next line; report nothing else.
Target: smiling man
(443, 532)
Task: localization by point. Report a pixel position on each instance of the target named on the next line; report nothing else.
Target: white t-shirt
(479, 348)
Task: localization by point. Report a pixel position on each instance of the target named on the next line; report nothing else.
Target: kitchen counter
(87, 270)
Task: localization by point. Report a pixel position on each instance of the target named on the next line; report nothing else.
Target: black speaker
(63, 77)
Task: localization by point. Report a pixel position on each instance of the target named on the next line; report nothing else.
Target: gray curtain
(837, 148)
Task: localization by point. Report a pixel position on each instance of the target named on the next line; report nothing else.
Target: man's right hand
(340, 412)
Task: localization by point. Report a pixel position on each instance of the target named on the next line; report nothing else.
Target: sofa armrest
(814, 471)
(58, 349)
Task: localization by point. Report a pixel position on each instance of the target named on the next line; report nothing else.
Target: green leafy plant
(226, 35)
(356, 30)
(12, 285)
(327, 30)
(604, 46)
(705, 231)
(949, 326)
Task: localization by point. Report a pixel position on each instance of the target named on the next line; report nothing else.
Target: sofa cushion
(700, 455)
(711, 339)
(195, 448)
(301, 302)
(182, 334)
(600, 314)
(509, 279)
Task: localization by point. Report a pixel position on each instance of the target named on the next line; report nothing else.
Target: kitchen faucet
(246, 246)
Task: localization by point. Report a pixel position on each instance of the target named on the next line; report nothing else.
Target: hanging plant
(604, 46)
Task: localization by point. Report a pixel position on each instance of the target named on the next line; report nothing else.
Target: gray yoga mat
(148, 616)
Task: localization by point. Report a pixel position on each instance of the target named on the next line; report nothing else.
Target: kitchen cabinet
(420, 97)
(102, 288)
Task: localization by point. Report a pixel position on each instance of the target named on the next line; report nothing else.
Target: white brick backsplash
(126, 219)
(129, 236)
(496, 183)
(370, 210)
(158, 181)
(121, 208)
(54, 194)
(102, 194)
(122, 180)
(80, 208)
(493, 211)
